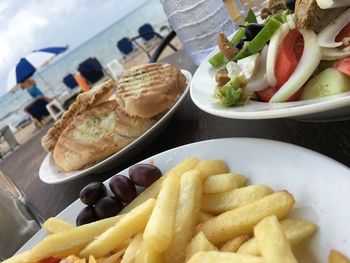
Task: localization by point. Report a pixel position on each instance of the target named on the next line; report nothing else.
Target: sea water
(102, 46)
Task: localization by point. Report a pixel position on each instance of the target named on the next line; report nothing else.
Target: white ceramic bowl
(333, 108)
(319, 184)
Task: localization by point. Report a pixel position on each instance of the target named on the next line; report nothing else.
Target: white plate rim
(45, 165)
(292, 110)
(291, 147)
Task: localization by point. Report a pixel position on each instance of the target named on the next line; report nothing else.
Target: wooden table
(188, 125)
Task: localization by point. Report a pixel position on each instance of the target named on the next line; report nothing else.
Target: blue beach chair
(70, 81)
(125, 46)
(147, 32)
(37, 110)
(91, 69)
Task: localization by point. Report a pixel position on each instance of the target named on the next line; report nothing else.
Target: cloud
(3, 7)
(33, 24)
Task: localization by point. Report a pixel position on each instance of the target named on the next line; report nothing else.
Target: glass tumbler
(197, 23)
(18, 219)
(255, 5)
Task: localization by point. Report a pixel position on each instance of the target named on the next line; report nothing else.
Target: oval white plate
(50, 174)
(325, 109)
(319, 184)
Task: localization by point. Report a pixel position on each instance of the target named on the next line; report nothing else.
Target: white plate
(50, 174)
(319, 184)
(332, 108)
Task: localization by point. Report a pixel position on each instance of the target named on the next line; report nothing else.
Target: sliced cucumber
(328, 82)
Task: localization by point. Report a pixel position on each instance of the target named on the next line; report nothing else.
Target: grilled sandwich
(84, 101)
(95, 135)
(147, 90)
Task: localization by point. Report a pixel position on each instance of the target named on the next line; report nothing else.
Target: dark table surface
(188, 125)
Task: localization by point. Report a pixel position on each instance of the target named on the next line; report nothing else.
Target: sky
(27, 25)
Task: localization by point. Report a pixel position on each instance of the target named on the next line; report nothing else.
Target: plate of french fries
(226, 200)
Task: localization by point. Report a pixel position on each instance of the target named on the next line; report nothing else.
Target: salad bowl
(276, 69)
(332, 108)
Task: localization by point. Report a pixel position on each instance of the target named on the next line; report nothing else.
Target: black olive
(240, 43)
(93, 192)
(252, 30)
(86, 216)
(290, 4)
(144, 174)
(123, 188)
(107, 207)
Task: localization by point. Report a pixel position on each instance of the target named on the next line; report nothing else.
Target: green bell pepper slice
(218, 59)
(260, 39)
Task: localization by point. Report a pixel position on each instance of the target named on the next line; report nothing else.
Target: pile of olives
(100, 205)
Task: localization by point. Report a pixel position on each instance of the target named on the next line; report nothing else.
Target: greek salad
(276, 60)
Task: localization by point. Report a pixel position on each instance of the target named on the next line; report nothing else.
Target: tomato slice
(288, 57)
(49, 260)
(345, 32)
(343, 65)
(266, 94)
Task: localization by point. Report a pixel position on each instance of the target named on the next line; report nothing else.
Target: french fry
(223, 257)
(68, 242)
(153, 190)
(92, 259)
(198, 243)
(219, 203)
(211, 167)
(273, 244)
(220, 183)
(128, 226)
(131, 250)
(146, 254)
(186, 215)
(73, 258)
(296, 230)
(337, 257)
(56, 225)
(114, 258)
(234, 244)
(204, 217)
(19, 258)
(160, 227)
(243, 219)
(124, 244)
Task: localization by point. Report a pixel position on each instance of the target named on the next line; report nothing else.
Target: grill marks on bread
(148, 90)
(95, 135)
(83, 102)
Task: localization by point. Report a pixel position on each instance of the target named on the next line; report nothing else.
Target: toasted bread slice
(310, 16)
(150, 89)
(83, 102)
(95, 135)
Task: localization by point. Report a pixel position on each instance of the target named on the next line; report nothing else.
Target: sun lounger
(37, 110)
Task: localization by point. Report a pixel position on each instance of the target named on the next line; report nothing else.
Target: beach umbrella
(29, 64)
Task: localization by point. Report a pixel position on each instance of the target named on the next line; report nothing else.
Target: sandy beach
(22, 135)
(140, 57)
